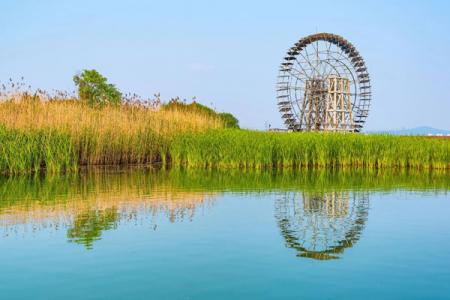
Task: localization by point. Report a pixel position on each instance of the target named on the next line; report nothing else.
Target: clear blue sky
(228, 53)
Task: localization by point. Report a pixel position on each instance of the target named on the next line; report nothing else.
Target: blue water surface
(230, 244)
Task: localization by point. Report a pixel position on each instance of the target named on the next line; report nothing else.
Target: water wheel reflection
(321, 225)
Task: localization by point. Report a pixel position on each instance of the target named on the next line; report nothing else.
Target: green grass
(27, 151)
(62, 135)
(34, 150)
(258, 150)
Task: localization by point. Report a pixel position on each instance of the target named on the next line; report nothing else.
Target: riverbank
(61, 136)
(257, 149)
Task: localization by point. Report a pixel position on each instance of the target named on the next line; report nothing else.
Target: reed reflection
(322, 225)
(88, 204)
(86, 207)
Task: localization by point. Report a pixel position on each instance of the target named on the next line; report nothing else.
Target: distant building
(279, 130)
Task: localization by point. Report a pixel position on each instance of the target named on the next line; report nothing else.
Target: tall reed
(34, 132)
(33, 150)
(256, 149)
(62, 135)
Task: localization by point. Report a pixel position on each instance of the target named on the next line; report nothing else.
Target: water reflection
(322, 225)
(320, 213)
(86, 217)
(87, 205)
(88, 226)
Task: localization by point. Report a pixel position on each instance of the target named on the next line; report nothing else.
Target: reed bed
(258, 150)
(64, 134)
(35, 149)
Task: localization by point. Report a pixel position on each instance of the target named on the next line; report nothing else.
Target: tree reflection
(88, 227)
(321, 225)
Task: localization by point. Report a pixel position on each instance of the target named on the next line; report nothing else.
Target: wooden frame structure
(323, 85)
(339, 110)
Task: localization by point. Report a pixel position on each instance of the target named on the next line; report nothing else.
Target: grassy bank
(256, 149)
(63, 135)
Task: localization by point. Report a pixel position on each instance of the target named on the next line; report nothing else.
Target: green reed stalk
(31, 151)
(259, 150)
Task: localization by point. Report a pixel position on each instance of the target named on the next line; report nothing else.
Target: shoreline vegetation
(62, 133)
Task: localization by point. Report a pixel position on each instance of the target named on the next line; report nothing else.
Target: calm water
(139, 234)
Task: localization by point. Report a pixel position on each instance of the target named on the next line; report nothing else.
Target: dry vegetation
(63, 134)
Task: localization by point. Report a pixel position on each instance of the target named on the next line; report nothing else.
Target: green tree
(94, 89)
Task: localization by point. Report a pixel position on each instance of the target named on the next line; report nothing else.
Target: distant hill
(423, 130)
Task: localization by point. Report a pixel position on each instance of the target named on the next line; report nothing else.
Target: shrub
(229, 120)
